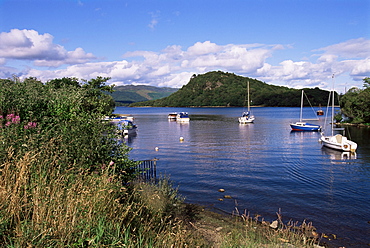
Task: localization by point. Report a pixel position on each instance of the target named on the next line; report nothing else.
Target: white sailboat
(246, 116)
(338, 141)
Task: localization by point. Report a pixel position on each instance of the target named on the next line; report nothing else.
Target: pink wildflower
(30, 125)
(10, 116)
(16, 119)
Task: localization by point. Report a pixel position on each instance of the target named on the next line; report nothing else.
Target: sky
(292, 43)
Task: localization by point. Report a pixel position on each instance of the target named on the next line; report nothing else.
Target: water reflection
(338, 156)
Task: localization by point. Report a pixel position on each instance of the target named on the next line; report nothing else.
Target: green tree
(355, 104)
(64, 116)
(366, 82)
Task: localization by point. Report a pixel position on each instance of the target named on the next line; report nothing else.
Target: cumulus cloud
(174, 65)
(30, 45)
(204, 48)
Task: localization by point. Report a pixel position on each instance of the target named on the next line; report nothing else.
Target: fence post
(148, 169)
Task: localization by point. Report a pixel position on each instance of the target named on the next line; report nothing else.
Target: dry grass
(42, 207)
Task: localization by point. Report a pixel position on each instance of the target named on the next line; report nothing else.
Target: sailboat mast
(248, 98)
(332, 110)
(300, 116)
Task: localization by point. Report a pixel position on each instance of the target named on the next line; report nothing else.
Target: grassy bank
(44, 208)
(65, 181)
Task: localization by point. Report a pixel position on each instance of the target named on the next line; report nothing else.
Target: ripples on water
(264, 166)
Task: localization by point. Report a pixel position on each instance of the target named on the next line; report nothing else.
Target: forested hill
(227, 89)
(127, 94)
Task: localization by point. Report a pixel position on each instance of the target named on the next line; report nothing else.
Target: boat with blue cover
(183, 117)
(301, 125)
(126, 127)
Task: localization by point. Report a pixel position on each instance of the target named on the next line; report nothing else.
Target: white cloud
(203, 48)
(355, 48)
(30, 45)
(361, 68)
(174, 65)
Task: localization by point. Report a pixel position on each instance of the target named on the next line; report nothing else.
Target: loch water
(264, 166)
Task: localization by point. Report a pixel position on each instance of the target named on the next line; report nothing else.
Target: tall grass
(42, 207)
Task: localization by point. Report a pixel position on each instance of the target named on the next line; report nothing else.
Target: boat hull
(183, 119)
(338, 142)
(129, 132)
(304, 126)
(246, 119)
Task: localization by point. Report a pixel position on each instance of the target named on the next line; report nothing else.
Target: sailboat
(301, 125)
(246, 116)
(338, 141)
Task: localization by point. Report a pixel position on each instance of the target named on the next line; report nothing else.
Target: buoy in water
(181, 138)
(156, 148)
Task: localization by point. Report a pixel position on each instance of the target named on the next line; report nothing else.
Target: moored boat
(320, 111)
(172, 116)
(182, 117)
(301, 125)
(338, 142)
(304, 126)
(123, 123)
(247, 117)
(119, 117)
(126, 127)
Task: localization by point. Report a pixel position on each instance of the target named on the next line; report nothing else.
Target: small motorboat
(172, 116)
(182, 117)
(126, 127)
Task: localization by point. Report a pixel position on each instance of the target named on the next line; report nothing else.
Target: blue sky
(294, 43)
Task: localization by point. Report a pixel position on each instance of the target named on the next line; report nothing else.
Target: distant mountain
(127, 94)
(227, 89)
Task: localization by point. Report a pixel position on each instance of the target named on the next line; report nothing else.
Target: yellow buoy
(181, 138)
(157, 148)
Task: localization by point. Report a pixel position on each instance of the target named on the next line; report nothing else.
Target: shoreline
(351, 124)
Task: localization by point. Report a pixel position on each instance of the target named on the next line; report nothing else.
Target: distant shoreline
(255, 106)
(351, 124)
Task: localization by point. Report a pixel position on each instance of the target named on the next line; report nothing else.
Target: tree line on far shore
(225, 89)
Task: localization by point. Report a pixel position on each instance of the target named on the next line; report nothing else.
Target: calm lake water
(264, 166)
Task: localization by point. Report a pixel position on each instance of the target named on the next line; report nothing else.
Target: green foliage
(227, 89)
(67, 116)
(355, 104)
(366, 82)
